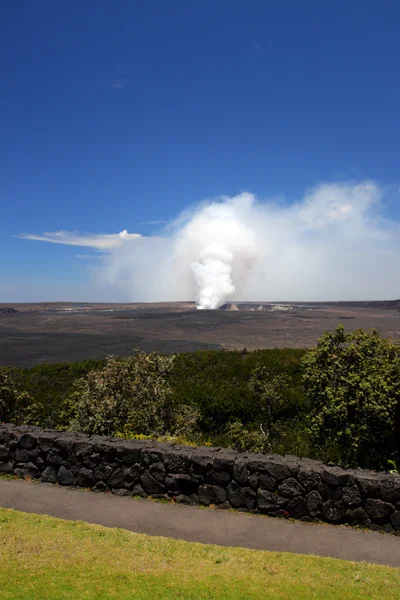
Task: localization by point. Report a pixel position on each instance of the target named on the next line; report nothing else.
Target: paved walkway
(196, 525)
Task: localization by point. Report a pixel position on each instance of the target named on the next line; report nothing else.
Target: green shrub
(269, 392)
(50, 385)
(128, 395)
(217, 383)
(242, 439)
(16, 406)
(352, 381)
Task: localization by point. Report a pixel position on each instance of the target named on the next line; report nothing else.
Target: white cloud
(333, 244)
(338, 202)
(100, 241)
(160, 222)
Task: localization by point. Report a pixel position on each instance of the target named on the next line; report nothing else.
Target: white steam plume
(212, 273)
(334, 244)
(222, 246)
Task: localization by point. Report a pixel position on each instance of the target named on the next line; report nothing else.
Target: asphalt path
(193, 524)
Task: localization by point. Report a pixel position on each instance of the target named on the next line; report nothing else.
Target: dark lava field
(31, 334)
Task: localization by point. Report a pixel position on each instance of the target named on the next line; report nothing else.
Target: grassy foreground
(47, 558)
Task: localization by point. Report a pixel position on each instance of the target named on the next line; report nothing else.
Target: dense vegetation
(339, 402)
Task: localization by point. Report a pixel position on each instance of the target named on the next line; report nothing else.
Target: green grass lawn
(46, 558)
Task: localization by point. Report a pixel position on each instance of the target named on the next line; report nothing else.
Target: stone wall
(278, 486)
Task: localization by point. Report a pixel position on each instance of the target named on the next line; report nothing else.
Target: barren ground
(56, 332)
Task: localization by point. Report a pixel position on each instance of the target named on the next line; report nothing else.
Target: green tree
(352, 381)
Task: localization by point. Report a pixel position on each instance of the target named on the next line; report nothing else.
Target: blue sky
(116, 114)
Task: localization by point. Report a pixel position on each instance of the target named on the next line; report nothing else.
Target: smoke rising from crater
(334, 244)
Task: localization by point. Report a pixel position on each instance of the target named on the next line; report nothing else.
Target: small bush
(352, 381)
(242, 439)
